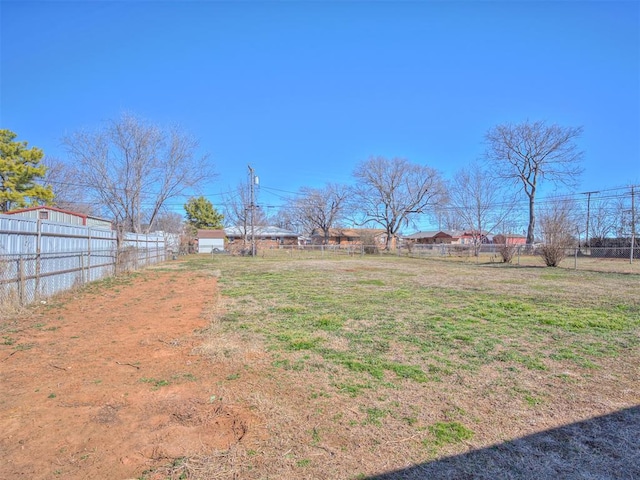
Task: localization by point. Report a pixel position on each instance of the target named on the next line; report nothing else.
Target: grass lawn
(364, 365)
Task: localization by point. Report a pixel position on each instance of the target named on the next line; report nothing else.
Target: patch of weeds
(353, 389)
(6, 340)
(411, 421)
(305, 462)
(407, 371)
(565, 377)
(528, 397)
(315, 395)
(449, 432)
(233, 376)
(315, 436)
(52, 395)
(374, 416)
(532, 401)
(190, 377)
(295, 366)
(454, 412)
(373, 282)
(296, 342)
(24, 346)
(329, 323)
(528, 361)
(157, 383)
(290, 309)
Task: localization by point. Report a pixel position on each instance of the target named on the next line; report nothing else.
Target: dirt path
(104, 383)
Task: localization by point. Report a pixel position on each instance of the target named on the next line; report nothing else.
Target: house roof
(471, 233)
(512, 235)
(348, 232)
(56, 209)
(430, 234)
(203, 233)
(260, 231)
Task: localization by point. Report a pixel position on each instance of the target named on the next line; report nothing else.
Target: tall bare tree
(131, 168)
(391, 193)
(528, 153)
(321, 208)
(479, 201)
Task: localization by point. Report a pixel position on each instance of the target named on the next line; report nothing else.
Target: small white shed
(210, 241)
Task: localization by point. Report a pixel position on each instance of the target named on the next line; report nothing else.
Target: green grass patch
(449, 432)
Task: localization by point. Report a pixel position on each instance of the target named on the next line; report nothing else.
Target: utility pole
(586, 241)
(633, 224)
(252, 206)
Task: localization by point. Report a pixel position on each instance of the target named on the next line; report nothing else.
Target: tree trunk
(532, 220)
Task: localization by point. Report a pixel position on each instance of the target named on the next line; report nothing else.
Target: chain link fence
(26, 278)
(39, 259)
(613, 259)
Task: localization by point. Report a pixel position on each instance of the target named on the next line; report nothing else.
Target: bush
(507, 251)
(553, 254)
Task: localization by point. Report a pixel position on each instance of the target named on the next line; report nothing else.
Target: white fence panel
(41, 258)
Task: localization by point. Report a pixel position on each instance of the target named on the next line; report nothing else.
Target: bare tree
(479, 201)
(391, 193)
(602, 220)
(131, 168)
(69, 194)
(238, 213)
(287, 217)
(528, 153)
(170, 222)
(558, 222)
(321, 208)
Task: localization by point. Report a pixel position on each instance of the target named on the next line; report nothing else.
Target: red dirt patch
(105, 385)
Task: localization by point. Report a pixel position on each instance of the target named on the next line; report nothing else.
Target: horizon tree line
(129, 169)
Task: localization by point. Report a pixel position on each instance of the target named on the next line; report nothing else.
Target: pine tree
(202, 214)
(20, 167)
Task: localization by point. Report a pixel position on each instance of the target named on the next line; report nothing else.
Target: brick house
(266, 236)
(432, 237)
(350, 236)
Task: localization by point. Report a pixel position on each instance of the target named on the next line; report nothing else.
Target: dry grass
(328, 353)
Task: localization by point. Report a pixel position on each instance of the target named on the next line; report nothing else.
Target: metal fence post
(38, 255)
(81, 268)
(21, 282)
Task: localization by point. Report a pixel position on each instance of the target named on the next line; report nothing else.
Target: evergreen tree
(20, 167)
(202, 214)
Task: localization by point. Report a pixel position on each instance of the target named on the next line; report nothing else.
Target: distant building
(432, 237)
(350, 236)
(210, 241)
(57, 215)
(509, 239)
(265, 236)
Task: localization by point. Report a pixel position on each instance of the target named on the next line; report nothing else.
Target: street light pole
(252, 206)
(586, 240)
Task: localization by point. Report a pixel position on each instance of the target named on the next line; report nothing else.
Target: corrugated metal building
(58, 215)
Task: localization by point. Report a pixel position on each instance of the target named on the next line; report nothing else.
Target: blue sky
(303, 91)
